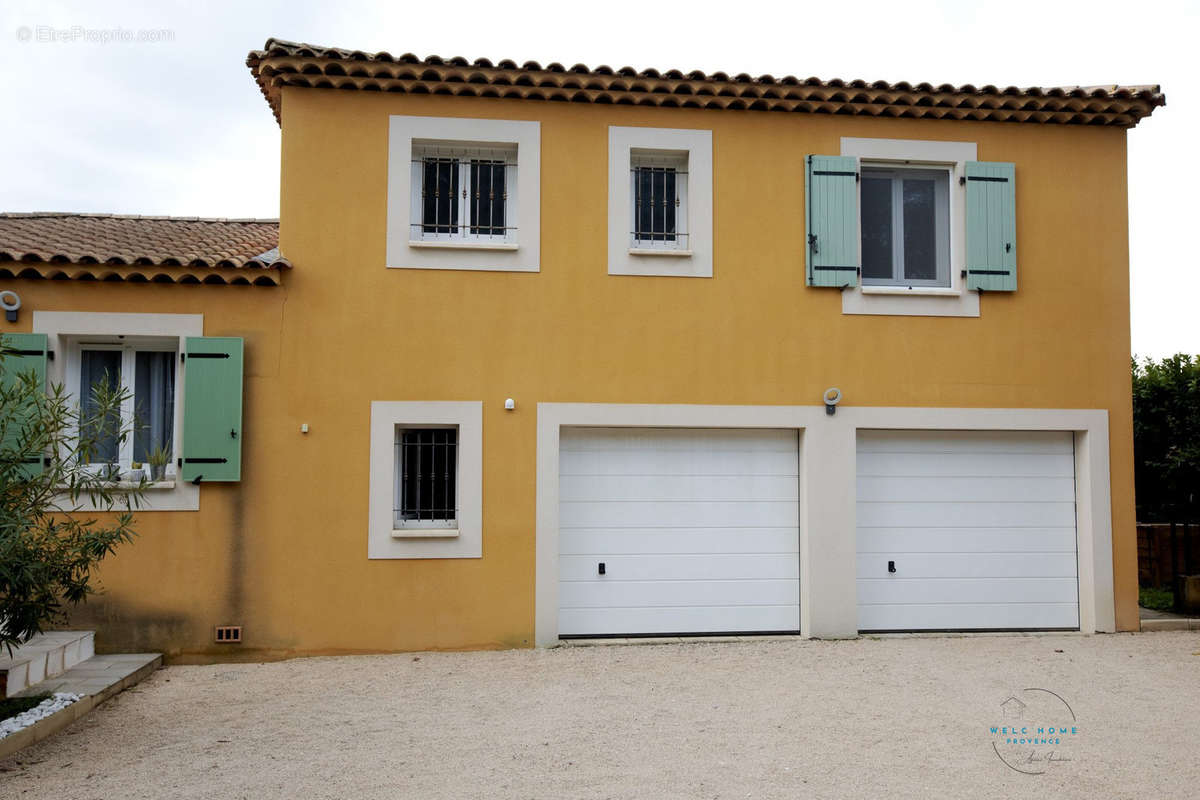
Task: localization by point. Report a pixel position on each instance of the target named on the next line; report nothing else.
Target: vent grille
(228, 634)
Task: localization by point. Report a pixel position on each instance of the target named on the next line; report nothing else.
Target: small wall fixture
(509, 404)
(10, 301)
(831, 398)
(304, 427)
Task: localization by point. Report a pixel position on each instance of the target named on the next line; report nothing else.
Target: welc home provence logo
(1034, 731)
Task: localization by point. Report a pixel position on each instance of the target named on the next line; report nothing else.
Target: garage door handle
(891, 566)
(601, 568)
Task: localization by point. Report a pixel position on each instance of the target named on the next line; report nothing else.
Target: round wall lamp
(831, 398)
(10, 301)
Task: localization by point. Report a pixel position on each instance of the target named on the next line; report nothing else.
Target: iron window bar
(659, 200)
(426, 478)
(464, 193)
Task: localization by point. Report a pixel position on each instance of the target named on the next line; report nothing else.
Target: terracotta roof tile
(137, 248)
(281, 63)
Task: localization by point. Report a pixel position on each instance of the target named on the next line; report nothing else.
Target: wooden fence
(1166, 550)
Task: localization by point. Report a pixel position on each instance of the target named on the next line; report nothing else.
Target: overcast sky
(167, 120)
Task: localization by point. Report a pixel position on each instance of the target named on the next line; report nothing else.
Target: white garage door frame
(828, 551)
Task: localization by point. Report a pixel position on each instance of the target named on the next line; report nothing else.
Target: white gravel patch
(890, 717)
(51, 705)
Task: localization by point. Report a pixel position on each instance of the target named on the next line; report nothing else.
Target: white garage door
(978, 526)
(665, 531)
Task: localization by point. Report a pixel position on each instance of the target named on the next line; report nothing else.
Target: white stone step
(44, 656)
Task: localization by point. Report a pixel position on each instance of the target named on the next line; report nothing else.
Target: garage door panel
(973, 442)
(610, 594)
(612, 488)
(968, 616)
(708, 619)
(967, 465)
(908, 489)
(769, 462)
(588, 514)
(965, 540)
(698, 531)
(958, 590)
(679, 541)
(618, 567)
(1003, 515)
(641, 441)
(980, 527)
(968, 565)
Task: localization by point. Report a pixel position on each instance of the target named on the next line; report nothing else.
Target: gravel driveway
(894, 717)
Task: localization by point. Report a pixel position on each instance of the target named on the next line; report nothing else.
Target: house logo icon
(1012, 708)
(1035, 731)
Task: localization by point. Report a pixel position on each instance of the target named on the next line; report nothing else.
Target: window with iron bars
(463, 193)
(426, 489)
(658, 189)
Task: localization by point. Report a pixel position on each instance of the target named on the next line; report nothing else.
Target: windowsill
(463, 245)
(425, 533)
(925, 291)
(128, 486)
(649, 251)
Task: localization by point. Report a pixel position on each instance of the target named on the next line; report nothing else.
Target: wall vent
(228, 634)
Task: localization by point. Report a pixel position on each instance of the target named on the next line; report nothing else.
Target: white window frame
(387, 540)
(943, 176)
(919, 301)
(693, 148)
(676, 160)
(129, 347)
(65, 328)
(519, 251)
(463, 153)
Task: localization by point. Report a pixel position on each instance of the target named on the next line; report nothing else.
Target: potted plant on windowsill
(158, 460)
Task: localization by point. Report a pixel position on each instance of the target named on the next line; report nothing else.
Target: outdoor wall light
(509, 404)
(831, 398)
(11, 303)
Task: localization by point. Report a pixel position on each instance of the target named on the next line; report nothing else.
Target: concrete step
(94, 680)
(44, 656)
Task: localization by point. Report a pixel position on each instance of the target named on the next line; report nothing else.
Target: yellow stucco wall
(284, 552)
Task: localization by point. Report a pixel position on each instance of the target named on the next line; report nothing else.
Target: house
(559, 351)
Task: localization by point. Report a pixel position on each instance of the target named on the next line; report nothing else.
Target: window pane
(654, 204)
(100, 369)
(440, 205)
(487, 197)
(154, 403)
(920, 230)
(427, 463)
(876, 228)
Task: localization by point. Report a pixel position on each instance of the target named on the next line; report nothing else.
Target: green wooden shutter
(31, 349)
(212, 409)
(991, 226)
(831, 198)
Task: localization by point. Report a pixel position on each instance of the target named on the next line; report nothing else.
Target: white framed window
(135, 350)
(905, 225)
(463, 194)
(660, 202)
(146, 370)
(658, 199)
(426, 480)
(895, 278)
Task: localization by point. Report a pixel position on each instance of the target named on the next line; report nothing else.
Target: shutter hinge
(857, 177)
(1008, 247)
(962, 180)
(812, 243)
(183, 356)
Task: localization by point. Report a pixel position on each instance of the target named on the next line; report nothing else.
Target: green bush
(50, 540)
(1166, 438)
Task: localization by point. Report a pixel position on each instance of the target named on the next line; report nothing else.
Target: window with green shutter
(212, 409)
(991, 226)
(831, 200)
(27, 354)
